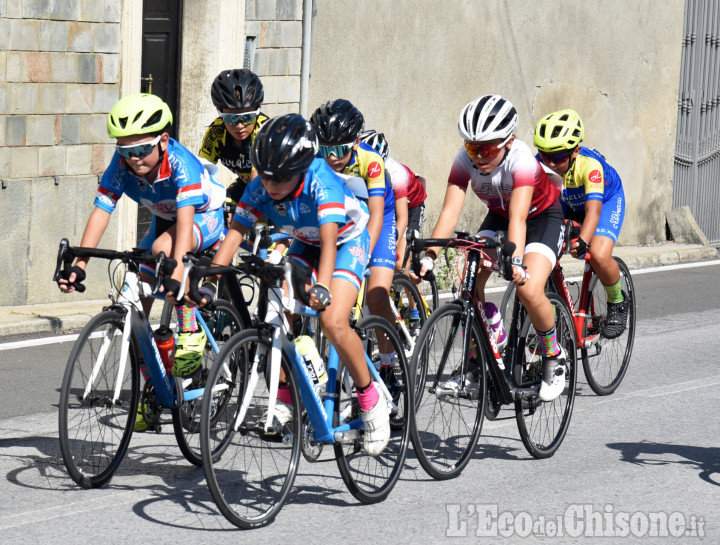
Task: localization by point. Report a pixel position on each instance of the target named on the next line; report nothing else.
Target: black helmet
(239, 88)
(284, 146)
(337, 122)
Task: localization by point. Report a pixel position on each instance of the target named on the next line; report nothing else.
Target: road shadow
(705, 459)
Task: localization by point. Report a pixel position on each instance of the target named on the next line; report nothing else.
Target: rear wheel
(543, 425)
(371, 478)
(606, 361)
(450, 393)
(98, 401)
(223, 322)
(405, 296)
(249, 471)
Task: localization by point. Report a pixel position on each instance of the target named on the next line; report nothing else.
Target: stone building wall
(59, 76)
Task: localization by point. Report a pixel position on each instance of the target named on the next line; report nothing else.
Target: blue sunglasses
(245, 119)
(337, 151)
(138, 150)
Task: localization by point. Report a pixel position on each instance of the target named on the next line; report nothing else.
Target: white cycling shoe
(377, 425)
(553, 376)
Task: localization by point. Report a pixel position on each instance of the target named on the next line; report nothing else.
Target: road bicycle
(605, 361)
(458, 372)
(101, 387)
(250, 465)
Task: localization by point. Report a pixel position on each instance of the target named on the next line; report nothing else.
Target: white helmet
(489, 117)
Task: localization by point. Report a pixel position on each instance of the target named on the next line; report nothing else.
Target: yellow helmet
(559, 131)
(140, 113)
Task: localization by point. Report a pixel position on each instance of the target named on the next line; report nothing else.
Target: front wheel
(371, 478)
(606, 361)
(450, 393)
(249, 471)
(98, 401)
(543, 424)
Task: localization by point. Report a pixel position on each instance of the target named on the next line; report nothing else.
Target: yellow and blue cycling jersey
(368, 164)
(589, 178)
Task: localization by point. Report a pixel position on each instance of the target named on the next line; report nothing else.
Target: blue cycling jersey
(368, 164)
(322, 197)
(182, 181)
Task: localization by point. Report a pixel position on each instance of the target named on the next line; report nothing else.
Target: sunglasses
(480, 149)
(246, 118)
(138, 151)
(280, 179)
(555, 158)
(338, 151)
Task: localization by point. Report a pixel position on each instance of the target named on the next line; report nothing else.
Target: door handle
(149, 80)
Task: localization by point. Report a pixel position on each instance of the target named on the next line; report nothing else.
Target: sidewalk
(60, 317)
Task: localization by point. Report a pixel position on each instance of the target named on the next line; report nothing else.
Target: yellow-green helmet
(140, 113)
(559, 131)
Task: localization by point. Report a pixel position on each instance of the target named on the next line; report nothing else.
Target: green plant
(445, 268)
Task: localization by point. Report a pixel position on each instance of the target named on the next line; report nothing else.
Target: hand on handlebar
(71, 280)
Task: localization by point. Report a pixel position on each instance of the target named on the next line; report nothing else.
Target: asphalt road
(641, 463)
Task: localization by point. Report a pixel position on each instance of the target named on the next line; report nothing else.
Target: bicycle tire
(371, 478)
(223, 322)
(447, 427)
(606, 363)
(249, 473)
(543, 425)
(402, 292)
(94, 429)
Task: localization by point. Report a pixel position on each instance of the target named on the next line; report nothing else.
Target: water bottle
(314, 363)
(165, 341)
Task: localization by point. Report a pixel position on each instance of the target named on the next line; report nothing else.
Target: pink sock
(368, 397)
(284, 394)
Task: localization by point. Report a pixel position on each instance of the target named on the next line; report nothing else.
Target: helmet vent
(154, 118)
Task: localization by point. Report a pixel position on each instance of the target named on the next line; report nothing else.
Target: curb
(61, 317)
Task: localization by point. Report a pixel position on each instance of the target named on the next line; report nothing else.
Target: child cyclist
(409, 190)
(592, 194)
(299, 192)
(410, 195)
(338, 125)
(186, 204)
(237, 95)
(522, 201)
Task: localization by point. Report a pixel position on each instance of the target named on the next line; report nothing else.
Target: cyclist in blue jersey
(185, 200)
(592, 193)
(339, 125)
(300, 193)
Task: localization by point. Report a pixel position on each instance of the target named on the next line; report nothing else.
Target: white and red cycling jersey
(405, 183)
(519, 168)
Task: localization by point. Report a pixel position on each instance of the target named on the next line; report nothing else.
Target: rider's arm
(183, 237)
(376, 206)
(401, 221)
(520, 199)
(328, 253)
(592, 218)
(94, 230)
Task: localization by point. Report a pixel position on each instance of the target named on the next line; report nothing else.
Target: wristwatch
(517, 261)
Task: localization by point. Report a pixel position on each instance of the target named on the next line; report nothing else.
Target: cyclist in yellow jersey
(592, 193)
(237, 94)
(338, 125)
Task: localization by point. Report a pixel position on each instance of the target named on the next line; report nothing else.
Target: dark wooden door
(162, 24)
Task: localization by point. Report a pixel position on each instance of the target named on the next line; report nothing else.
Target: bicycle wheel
(249, 472)
(606, 362)
(452, 391)
(543, 425)
(371, 478)
(223, 322)
(98, 401)
(404, 295)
